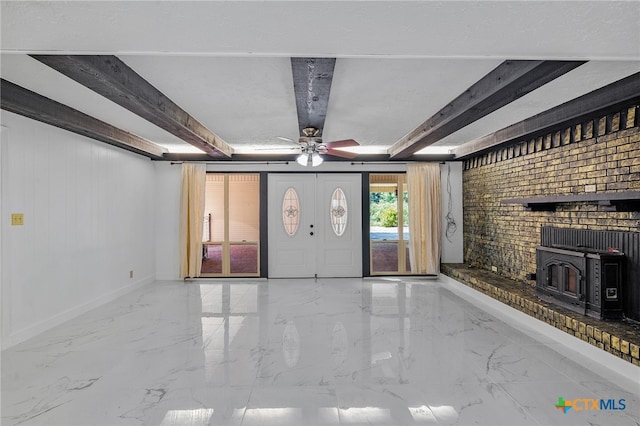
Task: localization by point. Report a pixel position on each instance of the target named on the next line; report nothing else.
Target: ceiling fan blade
(273, 148)
(312, 84)
(345, 143)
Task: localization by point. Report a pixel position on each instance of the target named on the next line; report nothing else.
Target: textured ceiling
(228, 63)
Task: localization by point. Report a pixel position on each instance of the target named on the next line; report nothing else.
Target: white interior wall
(167, 210)
(451, 183)
(88, 221)
(4, 134)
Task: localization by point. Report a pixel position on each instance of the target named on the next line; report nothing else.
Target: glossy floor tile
(302, 352)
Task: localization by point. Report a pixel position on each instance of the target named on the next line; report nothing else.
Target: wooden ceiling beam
(619, 92)
(312, 79)
(506, 83)
(110, 77)
(24, 102)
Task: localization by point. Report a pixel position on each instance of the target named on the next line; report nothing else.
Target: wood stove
(582, 279)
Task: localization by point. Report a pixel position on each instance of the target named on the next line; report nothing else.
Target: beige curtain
(423, 185)
(191, 219)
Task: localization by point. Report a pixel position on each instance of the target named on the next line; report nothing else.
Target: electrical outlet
(494, 268)
(131, 273)
(17, 219)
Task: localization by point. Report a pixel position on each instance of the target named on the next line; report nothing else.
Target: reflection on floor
(298, 352)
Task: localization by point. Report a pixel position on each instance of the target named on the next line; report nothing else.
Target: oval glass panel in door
(338, 212)
(291, 212)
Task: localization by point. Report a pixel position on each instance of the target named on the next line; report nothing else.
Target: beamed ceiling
(389, 80)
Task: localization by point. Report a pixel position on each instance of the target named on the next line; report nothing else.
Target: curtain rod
(231, 163)
(352, 163)
(395, 162)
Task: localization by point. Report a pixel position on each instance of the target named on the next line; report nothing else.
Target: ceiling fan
(312, 147)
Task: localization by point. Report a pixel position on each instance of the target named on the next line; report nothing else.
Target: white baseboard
(33, 330)
(592, 357)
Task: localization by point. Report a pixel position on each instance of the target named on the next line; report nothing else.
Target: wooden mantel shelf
(615, 201)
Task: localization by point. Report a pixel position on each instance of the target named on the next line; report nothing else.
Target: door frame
(364, 212)
(402, 249)
(226, 243)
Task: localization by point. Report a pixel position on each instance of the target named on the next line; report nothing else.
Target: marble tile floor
(306, 352)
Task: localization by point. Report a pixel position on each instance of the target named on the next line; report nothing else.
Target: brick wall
(602, 153)
(615, 338)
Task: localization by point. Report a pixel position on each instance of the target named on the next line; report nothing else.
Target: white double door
(313, 239)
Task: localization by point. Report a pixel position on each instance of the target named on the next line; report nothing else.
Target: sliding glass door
(231, 231)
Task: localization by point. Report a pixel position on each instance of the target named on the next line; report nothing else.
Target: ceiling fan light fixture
(315, 159)
(303, 159)
(312, 159)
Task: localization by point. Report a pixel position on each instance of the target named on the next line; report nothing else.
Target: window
(338, 212)
(291, 212)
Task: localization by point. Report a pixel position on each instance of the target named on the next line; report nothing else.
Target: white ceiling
(399, 62)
